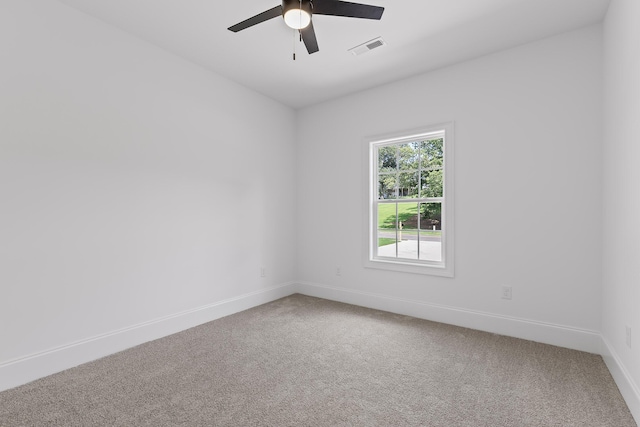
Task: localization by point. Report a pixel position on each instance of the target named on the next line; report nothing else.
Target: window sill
(408, 267)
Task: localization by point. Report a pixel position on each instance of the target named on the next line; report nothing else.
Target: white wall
(528, 191)
(133, 185)
(621, 283)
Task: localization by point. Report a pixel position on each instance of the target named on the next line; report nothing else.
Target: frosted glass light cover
(297, 18)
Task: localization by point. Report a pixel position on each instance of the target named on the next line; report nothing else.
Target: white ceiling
(421, 35)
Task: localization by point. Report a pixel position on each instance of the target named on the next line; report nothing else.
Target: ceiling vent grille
(368, 46)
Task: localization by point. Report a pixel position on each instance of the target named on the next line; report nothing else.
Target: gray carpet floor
(303, 361)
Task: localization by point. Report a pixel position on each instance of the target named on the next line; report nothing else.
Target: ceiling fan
(297, 15)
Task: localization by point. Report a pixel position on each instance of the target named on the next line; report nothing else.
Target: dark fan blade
(309, 38)
(261, 17)
(345, 8)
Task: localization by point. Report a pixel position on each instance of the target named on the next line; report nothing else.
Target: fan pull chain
(294, 34)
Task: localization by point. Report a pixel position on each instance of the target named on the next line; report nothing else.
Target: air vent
(368, 46)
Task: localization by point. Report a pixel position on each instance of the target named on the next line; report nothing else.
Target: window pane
(431, 183)
(409, 156)
(387, 186)
(408, 215)
(431, 231)
(387, 216)
(432, 153)
(387, 159)
(387, 233)
(408, 185)
(431, 216)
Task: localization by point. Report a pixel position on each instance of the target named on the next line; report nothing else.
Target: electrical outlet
(263, 272)
(628, 330)
(338, 271)
(506, 292)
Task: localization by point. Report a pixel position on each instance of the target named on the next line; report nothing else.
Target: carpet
(303, 361)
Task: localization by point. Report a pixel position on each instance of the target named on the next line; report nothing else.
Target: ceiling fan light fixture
(297, 19)
(296, 13)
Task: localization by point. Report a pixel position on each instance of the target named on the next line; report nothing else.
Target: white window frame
(444, 268)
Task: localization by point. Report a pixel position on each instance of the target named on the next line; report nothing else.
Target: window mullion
(397, 227)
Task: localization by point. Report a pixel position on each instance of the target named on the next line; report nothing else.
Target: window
(410, 202)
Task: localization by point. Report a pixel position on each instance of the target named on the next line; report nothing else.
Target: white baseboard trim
(547, 333)
(628, 388)
(32, 367)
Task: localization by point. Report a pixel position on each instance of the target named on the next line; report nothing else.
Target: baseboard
(559, 335)
(32, 367)
(628, 388)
